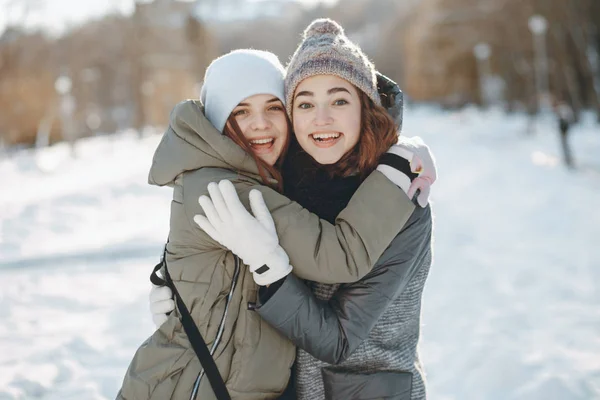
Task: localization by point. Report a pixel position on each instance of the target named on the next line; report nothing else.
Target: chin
(270, 161)
(325, 160)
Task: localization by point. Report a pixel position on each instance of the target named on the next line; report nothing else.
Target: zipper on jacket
(221, 329)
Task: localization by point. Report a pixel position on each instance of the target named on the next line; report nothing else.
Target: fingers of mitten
(423, 152)
(416, 165)
(210, 211)
(423, 185)
(432, 169)
(160, 293)
(423, 163)
(425, 170)
(162, 307)
(428, 171)
(423, 198)
(261, 212)
(232, 200)
(219, 202)
(159, 319)
(418, 147)
(414, 186)
(207, 227)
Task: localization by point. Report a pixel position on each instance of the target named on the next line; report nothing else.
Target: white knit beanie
(237, 75)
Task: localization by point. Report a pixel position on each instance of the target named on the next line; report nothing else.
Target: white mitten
(395, 165)
(252, 238)
(422, 163)
(410, 165)
(161, 303)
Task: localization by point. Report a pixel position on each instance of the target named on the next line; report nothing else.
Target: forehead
(323, 83)
(259, 100)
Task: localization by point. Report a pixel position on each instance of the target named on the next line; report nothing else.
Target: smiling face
(327, 117)
(263, 122)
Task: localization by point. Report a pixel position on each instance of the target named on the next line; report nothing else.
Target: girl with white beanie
(237, 137)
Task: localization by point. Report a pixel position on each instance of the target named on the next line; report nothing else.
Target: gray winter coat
(359, 341)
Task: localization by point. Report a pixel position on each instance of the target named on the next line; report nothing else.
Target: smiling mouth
(262, 144)
(325, 139)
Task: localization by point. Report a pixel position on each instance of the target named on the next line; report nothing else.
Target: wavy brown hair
(378, 132)
(266, 171)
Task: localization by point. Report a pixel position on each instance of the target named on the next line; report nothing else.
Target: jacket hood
(392, 98)
(191, 142)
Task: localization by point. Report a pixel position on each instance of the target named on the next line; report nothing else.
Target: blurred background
(107, 66)
(505, 92)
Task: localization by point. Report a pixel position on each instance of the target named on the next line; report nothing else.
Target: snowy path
(511, 308)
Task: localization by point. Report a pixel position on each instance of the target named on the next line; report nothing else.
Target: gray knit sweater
(370, 326)
(392, 344)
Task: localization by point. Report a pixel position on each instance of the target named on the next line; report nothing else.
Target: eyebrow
(273, 100)
(329, 92)
(337, 89)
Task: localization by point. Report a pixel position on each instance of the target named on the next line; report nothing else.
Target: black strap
(198, 343)
(399, 163)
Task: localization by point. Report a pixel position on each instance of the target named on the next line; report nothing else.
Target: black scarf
(312, 186)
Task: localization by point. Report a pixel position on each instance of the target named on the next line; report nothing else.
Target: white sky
(57, 15)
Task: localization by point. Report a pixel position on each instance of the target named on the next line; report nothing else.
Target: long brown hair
(266, 171)
(378, 132)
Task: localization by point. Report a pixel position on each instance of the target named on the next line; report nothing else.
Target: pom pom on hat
(323, 26)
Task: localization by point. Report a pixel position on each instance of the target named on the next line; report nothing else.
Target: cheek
(281, 124)
(299, 128)
(243, 124)
(353, 127)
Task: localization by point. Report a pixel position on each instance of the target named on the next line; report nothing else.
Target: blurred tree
(26, 83)
(201, 43)
(135, 54)
(125, 71)
(169, 50)
(442, 34)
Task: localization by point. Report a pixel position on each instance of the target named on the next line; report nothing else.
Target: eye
(239, 112)
(304, 106)
(276, 108)
(340, 102)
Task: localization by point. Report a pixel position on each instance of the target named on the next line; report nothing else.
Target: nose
(261, 121)
(323, 117)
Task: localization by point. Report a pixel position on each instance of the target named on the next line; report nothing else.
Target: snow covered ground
(511, 308)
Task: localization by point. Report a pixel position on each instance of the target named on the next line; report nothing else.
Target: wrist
(277, 259)
(395, 176)
(271, 275)
(271, 267)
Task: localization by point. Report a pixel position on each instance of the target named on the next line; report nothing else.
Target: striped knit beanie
(326, 50)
